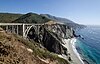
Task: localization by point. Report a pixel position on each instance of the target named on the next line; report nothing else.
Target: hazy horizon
(80, 11)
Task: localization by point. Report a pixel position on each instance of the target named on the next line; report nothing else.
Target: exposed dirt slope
(13, 51)
(16, 50)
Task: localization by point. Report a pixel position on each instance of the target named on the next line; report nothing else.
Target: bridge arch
(30, 30)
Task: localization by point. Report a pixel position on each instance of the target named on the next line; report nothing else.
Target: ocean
(89, 47)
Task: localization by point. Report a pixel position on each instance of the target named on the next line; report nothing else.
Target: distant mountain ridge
(63, 20)
(35, 18)
(58, 19)
(9, 17)
(31, 18)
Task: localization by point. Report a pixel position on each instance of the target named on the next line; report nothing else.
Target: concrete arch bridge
(24, 29)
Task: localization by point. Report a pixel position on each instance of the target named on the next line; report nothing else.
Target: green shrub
(43, 53)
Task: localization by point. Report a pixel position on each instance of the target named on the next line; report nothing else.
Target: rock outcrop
(51, 35)
(16, 50)
(12, 51)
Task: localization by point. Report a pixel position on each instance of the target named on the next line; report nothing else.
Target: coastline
(72, 41)
(70, 45)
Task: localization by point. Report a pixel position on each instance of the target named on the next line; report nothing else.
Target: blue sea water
(89, 47)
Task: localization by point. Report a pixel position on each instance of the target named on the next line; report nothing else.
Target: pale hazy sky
(79, 11)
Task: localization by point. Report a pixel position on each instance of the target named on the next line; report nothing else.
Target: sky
(80, 11)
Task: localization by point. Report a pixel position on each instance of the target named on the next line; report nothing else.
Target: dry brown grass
(13, 50)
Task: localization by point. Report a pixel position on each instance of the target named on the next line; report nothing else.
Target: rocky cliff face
(16, 50)
(13, 51)
(50, 36)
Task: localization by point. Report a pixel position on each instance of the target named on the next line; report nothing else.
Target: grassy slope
(8, 17)
(31, 18)
(11, 51)
(22, 18)
(42, 52)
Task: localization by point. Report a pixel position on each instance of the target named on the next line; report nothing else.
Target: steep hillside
(51, 37)
(58, 19)
(16, 50)
(8, 17)
(36, 18)
(31, 18)
(63, 20)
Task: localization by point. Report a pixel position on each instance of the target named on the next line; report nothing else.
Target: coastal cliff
(43, 44)
(16, 50)
(51, 36)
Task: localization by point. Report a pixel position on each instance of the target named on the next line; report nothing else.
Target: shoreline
(70, 45)
(73, 41)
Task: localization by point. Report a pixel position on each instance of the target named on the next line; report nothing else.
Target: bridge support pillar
(23, 30)
(38, 29)
(13, 30)
(17, 28)
(6, 28)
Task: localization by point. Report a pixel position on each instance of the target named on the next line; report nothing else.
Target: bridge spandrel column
(17, 29)
(38, 29)
(6, 28)
(13, 29)
(23, 30)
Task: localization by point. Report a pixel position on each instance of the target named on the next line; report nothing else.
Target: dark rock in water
(83, 38)
(69, 59)
(75, 34)
(86, 62)
(80, 36)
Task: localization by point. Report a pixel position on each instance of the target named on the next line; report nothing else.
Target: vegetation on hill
(58, 19)
(63, 20)
(22, 18)
(36, 18)
(8, 17)
(16, 50)
(31, 18)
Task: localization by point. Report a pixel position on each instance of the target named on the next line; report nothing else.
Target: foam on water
(90, 46)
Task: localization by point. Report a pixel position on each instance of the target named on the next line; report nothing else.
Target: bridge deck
(18, 24)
